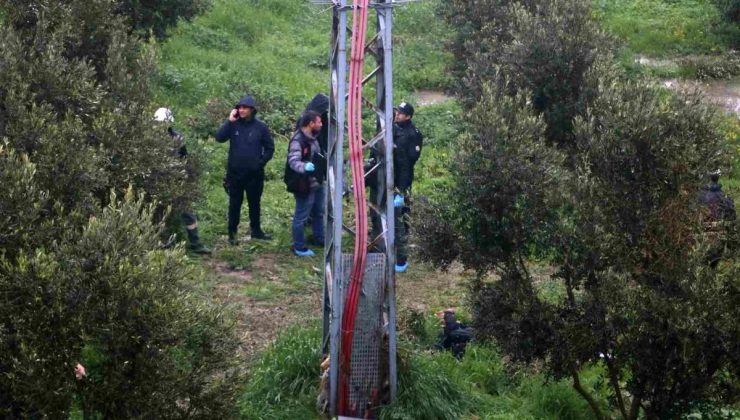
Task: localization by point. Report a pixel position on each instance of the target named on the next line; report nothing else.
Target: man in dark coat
(250, 148)
(407, 144)
(719, 205)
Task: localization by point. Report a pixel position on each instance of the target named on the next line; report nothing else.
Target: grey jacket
(295, 154)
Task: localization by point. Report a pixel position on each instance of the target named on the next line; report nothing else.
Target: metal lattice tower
(373, 366)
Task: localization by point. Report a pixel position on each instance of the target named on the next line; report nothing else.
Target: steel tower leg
(385, 103)
(333, 275)
(336, 273)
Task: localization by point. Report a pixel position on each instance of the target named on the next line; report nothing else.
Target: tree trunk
(591, 402)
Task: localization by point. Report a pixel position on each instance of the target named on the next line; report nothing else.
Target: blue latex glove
(309, 167)
(398, 201)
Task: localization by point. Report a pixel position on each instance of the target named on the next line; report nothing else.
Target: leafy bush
(107, 298)
(535, 45)
(730, 9)
(712, 67)
(157, 17)
(82, 275)
(499, 160)
(94, 17)
(615, 215)
(87, 130)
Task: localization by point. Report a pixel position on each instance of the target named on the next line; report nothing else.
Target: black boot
(259, 234)
(232, 239)
(195, 244)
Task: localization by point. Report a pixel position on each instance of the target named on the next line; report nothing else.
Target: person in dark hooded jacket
(250, 148)
(719, 215)
(320, 105)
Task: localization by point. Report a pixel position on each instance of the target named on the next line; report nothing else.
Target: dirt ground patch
(282, 301)
(282, 304)
(431, 97)
(426, 290)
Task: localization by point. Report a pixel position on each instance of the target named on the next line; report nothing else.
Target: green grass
(283, 45)
(665, 28)
(278, 49)
(432, 385)
(265, 43)
(284, 382)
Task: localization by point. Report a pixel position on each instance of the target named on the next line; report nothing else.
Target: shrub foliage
(82, 276)
(569, 163)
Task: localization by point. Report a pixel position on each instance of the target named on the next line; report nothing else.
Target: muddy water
(725, 93)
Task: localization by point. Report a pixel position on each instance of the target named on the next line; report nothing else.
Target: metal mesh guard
(368, 336)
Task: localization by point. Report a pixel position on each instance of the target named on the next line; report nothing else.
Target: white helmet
(164, 115)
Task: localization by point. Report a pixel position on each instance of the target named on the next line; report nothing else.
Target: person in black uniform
(407, 144)
(719, 215)
(250, 148)
(164, 115)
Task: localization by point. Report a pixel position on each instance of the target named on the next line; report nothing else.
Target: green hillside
(560, 205)
(278, 50)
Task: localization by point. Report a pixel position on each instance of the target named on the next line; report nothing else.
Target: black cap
(405, 108)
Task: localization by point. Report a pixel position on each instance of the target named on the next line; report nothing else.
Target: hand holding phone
(234, 115)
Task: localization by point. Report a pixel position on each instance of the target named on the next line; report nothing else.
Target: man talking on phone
(250, 148)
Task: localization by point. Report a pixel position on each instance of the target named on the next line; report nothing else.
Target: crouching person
(455, 335)
(305, 170)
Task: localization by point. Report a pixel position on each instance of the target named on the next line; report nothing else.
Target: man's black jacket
(250, 148)
(407, 143)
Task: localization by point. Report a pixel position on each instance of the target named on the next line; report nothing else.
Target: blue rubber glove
(398, 201)
(309, 167)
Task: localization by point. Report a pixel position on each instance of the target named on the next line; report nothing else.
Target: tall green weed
(284, 382)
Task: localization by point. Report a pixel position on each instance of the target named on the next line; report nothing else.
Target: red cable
(359, 32)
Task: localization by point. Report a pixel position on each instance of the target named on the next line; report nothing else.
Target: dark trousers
(251, 183)
(401, 223)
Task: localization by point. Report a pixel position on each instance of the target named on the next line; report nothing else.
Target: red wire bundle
(357, 62)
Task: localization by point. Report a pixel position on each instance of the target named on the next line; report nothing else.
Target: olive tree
(613, 217)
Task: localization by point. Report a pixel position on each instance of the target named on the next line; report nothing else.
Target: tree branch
(636, 402)
(591, 402)
(615, 384)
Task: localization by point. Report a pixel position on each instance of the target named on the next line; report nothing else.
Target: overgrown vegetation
(596, 176)
(83, 278)
(663, 28)
(686, 38)
(285, 380)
